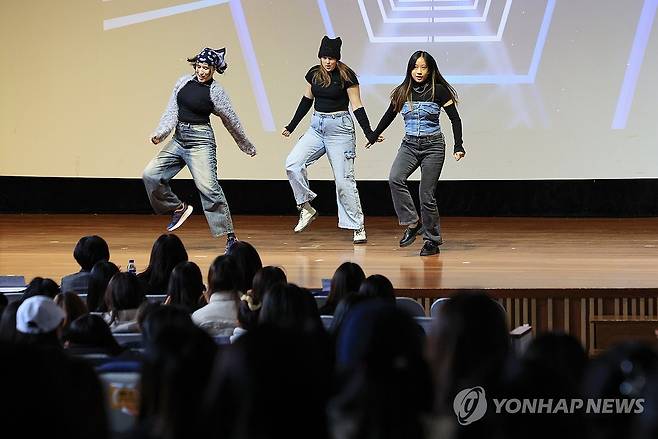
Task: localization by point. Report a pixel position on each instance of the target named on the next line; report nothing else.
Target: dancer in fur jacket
(194, 98)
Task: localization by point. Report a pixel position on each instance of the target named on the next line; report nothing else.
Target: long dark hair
(251, 302)
(40, 286)
(323, 78)
(167, 252)
(99, 277)
(123, 292)
(224, 275)
(91, 331)
(402, 93)
(186, 286)
(72, 305)
(346, 280)
(248, 263)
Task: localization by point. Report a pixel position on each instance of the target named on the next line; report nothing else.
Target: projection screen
(549, 89)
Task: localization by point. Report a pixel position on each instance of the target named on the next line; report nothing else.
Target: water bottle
(131, 267)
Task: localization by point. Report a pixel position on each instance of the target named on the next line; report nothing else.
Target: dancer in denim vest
(420, 99)
(194, 98)
(333, 85)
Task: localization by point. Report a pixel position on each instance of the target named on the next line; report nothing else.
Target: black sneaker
(229, 243)
(179, 216)
(410, 235)
(430, 248)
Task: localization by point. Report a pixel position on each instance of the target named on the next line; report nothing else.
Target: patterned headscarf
(212, 57)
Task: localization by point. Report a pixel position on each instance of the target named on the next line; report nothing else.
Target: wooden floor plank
(478, 252)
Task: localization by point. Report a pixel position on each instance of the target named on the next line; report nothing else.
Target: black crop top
(334, 97)
(194, 104)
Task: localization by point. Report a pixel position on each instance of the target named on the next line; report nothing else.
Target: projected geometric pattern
(480, 22)
(634, 65)
(397, 14)
(390, 22)
(243, 35)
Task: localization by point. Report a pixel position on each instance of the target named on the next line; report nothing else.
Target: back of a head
(91, 331)
(37, 320)
(290, 307)
(99, 277)
(89, 250)
(51, 394)
(469, 344)
(167, 252)
(265, 279)
(621, 373)
(550, 369)
(223, 275)
(251, 302)
(343, 309)
(186, 285)
(72, 305)
(385, 387)
(177, 365)
(645, 426)
(164, 317)
(270, 384)
(40, 286)
(561, 355)
(123, 292)
(380, 336)
(346, 279)
(146, 308)
(379, 287)
(248, 262)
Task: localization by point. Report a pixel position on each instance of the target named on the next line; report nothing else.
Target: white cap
(38, 315)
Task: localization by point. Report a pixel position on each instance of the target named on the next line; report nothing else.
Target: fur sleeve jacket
(221, 107)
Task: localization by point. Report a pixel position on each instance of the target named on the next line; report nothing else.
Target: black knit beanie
(330, 47)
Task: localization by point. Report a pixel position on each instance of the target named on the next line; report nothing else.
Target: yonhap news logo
(470, 405)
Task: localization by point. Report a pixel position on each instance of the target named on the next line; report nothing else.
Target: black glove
(362, 118)
(303, 107)
(385, 121)
(455, 120)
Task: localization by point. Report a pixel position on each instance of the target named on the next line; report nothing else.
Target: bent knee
(149, 176)
(396, 180)
(294, 165)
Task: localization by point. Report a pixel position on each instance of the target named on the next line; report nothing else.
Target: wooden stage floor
(499, 253)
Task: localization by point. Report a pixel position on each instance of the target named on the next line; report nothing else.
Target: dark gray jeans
(428, 153)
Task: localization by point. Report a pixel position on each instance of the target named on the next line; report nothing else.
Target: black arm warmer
(362, 118)
(451, 111)
(303, 107)
(387, 118)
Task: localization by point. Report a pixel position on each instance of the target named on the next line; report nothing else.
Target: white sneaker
(360, 236)
(306, 216)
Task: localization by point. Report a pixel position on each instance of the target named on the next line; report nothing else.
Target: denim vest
(421, 118)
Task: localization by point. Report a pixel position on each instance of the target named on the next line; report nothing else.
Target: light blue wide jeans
(331, 134)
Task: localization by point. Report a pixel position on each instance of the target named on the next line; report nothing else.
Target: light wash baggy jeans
(192, 145)
(333, 134)
(428, 153)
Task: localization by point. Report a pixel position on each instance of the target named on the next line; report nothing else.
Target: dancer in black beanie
(333, 86)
